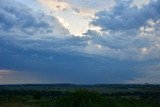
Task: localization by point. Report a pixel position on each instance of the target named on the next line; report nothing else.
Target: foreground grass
(79, 98)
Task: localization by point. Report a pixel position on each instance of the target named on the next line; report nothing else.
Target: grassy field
(68, 95)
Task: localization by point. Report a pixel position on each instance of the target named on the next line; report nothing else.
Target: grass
(80, 97)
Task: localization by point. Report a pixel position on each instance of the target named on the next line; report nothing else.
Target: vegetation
(80, 96)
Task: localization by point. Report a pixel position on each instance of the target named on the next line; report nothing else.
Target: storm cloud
(123, 44)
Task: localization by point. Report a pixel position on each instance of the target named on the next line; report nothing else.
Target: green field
(69, 95)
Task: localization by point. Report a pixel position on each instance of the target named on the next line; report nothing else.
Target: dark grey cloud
(39, 46)
(52, 67)
(48, 57)
(128, 32)
(35, 30)
(26, 28)
(17, 17)
(145, 44)
(123, 16)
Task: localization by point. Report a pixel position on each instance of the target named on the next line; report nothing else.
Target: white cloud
(140, 3)
(134, 44)
(122, 17)
(77, 13)
(58, 5)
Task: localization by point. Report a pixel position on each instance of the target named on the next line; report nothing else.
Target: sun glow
(75, 19)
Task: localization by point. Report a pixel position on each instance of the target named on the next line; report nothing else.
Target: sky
(79, 41)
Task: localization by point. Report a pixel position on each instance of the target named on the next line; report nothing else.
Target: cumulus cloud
(84, 7)
(89, 7)
(139, 44)
(140, 3)
(124, 17)
(69, 12)
(58, 5)
(16, 17)
(127, 32)
(125, 37)
(25, 28)
(124, 34)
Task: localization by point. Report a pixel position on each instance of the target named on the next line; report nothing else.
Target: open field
(69, 95)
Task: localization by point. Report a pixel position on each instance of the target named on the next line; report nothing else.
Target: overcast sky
(79, 41)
